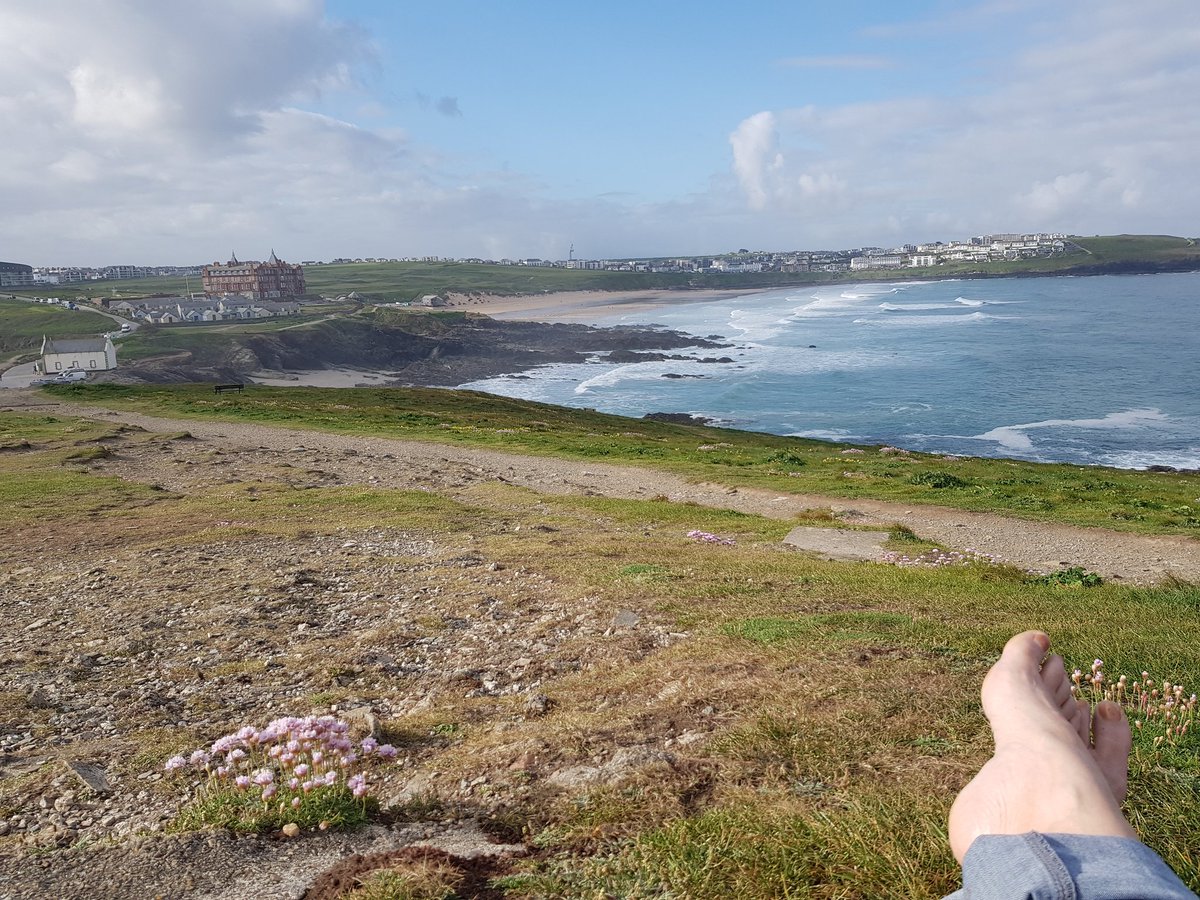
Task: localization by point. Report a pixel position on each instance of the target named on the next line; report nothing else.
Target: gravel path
(1033, 545)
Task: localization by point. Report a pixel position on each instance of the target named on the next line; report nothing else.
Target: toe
(1054, 678)
(1079, 714)
(1112, 741)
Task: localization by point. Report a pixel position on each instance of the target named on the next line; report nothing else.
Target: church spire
(274, 260)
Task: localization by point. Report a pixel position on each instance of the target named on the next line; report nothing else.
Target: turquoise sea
(1098, 370)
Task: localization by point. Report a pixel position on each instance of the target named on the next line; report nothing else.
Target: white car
(68, 377)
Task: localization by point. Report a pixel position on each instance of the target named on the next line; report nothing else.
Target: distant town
(984, 248)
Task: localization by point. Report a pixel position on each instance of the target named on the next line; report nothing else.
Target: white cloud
(1092, 126)
(755, 156)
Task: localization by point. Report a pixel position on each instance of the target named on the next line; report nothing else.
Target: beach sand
(584, 306)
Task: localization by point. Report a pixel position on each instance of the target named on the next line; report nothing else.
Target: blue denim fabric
(1065, 867)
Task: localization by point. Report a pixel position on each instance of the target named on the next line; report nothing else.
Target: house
(88, 354)
(433, 300)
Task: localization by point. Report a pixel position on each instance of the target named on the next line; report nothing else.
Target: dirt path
(385, 462)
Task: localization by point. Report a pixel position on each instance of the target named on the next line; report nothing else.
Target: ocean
(1094, 370)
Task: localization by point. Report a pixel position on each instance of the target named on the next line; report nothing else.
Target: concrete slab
(838, 543)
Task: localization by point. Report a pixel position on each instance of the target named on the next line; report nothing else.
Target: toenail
(1109, 710)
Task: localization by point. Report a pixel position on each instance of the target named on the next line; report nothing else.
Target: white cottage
(88, 354)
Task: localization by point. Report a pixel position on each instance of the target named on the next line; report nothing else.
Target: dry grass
(802, 725)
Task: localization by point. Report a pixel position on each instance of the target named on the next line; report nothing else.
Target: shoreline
(583, 306)
(590, 305)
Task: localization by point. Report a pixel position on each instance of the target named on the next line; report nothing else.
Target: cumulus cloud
(1089, 127)
(755, 156)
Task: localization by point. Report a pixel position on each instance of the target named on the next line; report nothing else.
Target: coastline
(576, 306)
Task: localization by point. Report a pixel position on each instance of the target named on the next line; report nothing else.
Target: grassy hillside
(1134, 247)
(765, 724)
(1113, 498)
(22, 325)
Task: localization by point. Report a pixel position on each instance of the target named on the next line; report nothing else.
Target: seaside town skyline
(473, 133)
(979, 249)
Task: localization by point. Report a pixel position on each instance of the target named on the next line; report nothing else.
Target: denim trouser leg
(1036, 866)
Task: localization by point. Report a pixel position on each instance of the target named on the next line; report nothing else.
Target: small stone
(626, 619)
(91, 775)
(538, 705)
(291, 829)
(362, 721)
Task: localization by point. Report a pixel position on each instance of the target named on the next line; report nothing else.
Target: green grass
(225, 806)
(1125, 500)
(23, 324)
(839, 701)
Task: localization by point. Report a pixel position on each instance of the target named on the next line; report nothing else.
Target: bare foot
(1056, 768)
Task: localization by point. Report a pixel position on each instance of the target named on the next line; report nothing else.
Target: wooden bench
(222, 388)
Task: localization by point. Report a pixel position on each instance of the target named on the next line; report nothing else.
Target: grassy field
(410, 280)
(1114, 498)
(817, 717)
(23, 324)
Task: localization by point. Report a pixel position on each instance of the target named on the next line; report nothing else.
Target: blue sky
(170, 133)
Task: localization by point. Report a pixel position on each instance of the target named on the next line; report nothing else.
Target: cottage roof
(81, 345)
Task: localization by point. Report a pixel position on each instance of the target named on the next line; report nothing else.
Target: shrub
(937, 480)
(1075, 576)
(787, 458)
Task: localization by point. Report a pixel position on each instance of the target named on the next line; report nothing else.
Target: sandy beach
(584, 306)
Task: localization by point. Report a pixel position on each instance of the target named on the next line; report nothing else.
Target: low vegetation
(1163, 503)
(23, 324)
(791, 726)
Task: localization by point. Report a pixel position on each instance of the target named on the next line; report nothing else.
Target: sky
(160, 132)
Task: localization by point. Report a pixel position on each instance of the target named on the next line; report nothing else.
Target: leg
(1056, 769)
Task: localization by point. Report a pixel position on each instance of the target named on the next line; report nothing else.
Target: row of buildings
(176, 310)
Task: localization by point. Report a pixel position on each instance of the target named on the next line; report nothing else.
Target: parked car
(68, 377)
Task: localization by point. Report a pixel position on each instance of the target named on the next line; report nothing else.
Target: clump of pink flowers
(937, 558)
(288, 761)
(1159, 708)
(710, 538)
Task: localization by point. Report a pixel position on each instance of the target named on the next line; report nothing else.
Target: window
(58, 365)
(92, 363)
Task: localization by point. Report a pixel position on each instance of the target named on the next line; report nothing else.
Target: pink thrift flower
(264, 777)
(295, 803)
(268, 792)
(175, 763)
(199, 758)
(368, 745)
(387, 751)
(294, 783)
(301, 769)
(242, 781)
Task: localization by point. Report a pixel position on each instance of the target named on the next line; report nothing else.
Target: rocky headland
(411, 348)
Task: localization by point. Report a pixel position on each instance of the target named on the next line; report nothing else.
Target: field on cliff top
(631, 710)
(406, 281)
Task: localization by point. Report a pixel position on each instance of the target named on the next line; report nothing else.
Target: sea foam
(1013, 437)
